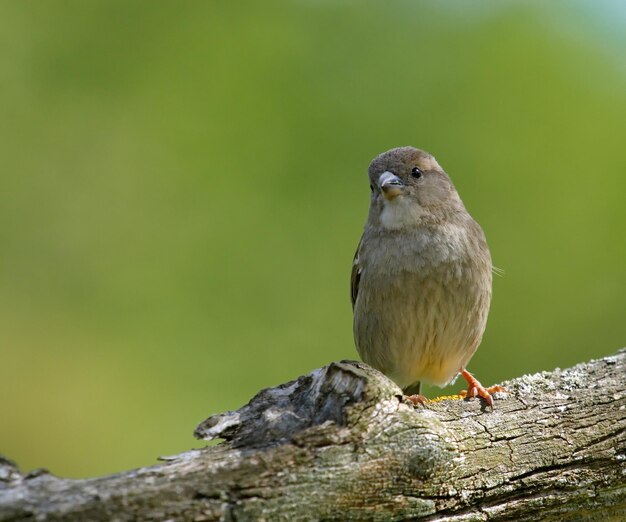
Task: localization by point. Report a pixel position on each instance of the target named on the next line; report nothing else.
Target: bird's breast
(422, 303)
(416, 250)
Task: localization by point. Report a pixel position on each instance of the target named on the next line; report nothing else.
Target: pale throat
(400, 212)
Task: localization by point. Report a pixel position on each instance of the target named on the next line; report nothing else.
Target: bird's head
(409, 188)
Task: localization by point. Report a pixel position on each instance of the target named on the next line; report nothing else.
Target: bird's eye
(416, 172)
(372, 189)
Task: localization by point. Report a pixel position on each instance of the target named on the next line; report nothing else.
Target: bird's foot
(475, 389)
(416, 399)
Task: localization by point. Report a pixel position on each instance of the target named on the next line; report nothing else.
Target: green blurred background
(184, 183)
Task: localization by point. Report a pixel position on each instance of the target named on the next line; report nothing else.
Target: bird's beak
(390, 185)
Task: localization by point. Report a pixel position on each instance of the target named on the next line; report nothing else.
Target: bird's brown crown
(401, 160)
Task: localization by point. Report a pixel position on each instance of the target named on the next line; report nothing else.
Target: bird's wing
(355, 277)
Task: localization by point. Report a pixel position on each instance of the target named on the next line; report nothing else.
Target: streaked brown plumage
(421, 278)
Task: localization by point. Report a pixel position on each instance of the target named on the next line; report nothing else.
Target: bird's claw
(475, 389)
(416, 399)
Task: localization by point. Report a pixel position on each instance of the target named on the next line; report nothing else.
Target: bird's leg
(475, 389)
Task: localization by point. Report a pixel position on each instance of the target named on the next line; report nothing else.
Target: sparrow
(421, 277)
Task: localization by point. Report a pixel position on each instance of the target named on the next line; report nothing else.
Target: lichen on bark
(342, 444)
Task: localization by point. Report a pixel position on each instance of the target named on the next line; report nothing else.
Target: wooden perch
(340, 444)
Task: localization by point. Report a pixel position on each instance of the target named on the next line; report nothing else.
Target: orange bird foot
(417, 399)
(475, 389)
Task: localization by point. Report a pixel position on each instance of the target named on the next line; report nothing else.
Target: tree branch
(340, 444)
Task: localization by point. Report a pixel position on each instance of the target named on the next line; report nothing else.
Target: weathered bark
(340, 444)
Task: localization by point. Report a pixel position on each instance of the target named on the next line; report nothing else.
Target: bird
(421, 280)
